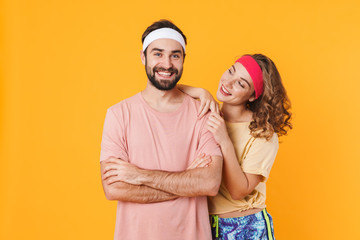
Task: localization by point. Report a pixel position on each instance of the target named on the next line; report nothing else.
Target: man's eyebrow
(157, 49)
(245, 81)
(162, 50)
(176, 51)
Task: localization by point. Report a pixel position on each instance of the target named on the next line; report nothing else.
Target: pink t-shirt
(135, 132)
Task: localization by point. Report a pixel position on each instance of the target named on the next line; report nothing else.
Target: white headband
(163, 33)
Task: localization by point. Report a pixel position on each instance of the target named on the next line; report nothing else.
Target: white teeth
(164, 73)
(226, 91)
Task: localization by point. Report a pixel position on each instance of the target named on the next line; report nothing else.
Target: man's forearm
(190, 183)
(121, 191)
(126, 192)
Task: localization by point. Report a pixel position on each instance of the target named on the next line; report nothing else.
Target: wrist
(202, 91)
(142, 177)
(225, 142)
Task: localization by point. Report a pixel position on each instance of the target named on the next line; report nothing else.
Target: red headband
(253, 68)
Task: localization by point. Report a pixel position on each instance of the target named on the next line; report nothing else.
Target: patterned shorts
(257, 226)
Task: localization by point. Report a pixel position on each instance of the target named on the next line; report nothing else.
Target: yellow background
(63, 63)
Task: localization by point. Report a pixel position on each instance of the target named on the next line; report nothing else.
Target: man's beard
(163, 84)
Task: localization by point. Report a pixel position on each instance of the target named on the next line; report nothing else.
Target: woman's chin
(219, 97)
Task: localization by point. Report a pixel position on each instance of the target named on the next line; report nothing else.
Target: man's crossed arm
(125, 182)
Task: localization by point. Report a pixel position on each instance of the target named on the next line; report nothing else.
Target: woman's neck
(236, 113)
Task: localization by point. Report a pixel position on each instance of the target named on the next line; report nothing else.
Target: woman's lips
(224, 91)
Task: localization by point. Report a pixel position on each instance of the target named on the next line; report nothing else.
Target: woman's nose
(228, 83)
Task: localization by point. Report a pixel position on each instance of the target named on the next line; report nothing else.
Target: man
(149, 142)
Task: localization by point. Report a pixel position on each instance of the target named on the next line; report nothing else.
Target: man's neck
(161, 100)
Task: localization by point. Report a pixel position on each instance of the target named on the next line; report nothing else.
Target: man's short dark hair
(163, 23)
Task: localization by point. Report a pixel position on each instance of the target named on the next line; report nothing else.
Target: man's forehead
(166, 45)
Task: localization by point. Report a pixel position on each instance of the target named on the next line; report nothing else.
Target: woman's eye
(241, 84)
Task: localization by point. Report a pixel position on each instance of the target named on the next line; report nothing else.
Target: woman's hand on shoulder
(216, 125)
(207, 102)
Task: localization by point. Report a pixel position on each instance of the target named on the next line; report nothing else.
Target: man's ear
(142, 55)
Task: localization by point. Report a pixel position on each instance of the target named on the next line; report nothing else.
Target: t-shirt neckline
(179, 109)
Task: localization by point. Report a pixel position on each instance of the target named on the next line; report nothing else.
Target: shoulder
(126, 104)
(121, 110)
(191, 101)
(267, 145)
(191, 105)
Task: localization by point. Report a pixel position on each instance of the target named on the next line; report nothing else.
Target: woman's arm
(239, 183)
(206, 99)
(193, 92)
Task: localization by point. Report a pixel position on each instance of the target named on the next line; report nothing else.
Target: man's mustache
(171, 70)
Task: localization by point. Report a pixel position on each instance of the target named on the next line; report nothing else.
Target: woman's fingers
(211, 124)
(204, 109)
(202, 105)
(217, 110)
(216, 115)
(212, 106)
(214, 121)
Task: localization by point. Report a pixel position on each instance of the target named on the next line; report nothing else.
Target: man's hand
(120, 171)
(201, 161)
(197, 181)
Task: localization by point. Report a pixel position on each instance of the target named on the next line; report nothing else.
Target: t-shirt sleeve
(207, 143)
(261, 156)
(113, 142)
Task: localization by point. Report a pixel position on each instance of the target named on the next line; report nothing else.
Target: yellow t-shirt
(256, 156)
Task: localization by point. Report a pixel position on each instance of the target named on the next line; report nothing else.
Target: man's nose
(167, 62)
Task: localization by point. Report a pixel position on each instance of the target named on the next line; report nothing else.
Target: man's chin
(165, 87)
(164, 84)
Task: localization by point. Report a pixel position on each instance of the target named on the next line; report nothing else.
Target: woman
(254, 113)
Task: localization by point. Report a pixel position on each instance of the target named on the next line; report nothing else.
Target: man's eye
(176, 56)
(157, 54)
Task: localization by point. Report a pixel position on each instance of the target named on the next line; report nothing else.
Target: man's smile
(165, 74)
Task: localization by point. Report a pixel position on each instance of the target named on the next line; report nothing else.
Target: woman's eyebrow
(245, 81)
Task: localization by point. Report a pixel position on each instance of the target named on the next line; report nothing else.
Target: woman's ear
(252, 98)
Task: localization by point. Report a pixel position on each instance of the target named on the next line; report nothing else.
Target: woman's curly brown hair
(271, 110)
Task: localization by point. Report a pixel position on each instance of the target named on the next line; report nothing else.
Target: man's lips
(224, 91)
